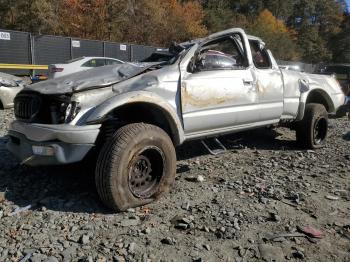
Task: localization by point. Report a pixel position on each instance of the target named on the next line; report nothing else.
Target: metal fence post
(130, 53)
(71, 48)
(32, 52)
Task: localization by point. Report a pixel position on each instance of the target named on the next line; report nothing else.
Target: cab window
(261, 58)
(221, 54)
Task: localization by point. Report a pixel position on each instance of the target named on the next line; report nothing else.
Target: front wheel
(311, 131)
(135, 167)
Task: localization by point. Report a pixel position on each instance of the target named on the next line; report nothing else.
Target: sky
(348, 2)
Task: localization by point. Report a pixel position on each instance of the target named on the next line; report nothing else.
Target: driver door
(218, 93)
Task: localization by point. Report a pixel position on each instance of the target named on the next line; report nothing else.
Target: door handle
(247, 82)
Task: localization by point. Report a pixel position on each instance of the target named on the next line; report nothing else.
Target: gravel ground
(249, 204)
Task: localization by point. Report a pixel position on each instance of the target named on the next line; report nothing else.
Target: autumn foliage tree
(155, 22)
(312, 25)
(308, 30)
(277, 36)
(159, 22)
(84, 18)
(28, 15)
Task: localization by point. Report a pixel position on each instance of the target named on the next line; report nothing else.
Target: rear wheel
(311, 132)
(135, 167)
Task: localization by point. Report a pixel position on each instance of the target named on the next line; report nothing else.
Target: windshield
(159, 57)
(164, 59)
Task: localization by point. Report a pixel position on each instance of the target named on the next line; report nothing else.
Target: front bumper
(67, 144)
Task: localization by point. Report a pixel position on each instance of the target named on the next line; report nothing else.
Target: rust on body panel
(202, 100)
(189, 99)
(260, 87)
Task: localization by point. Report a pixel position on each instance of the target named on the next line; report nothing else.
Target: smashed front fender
(101, 112)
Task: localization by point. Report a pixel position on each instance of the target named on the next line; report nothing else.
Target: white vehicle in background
(80, 64)
(10, 86)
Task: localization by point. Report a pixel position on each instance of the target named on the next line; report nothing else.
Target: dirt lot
(249, 204)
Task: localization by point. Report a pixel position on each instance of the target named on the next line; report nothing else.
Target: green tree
(316, 22)
(313, 46)
(281, 9)
(341, 43)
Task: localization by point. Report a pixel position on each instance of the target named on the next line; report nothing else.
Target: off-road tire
(315, 117)
(120, 157)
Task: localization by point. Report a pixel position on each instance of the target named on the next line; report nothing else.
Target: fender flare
(304, 97)
(101, 111)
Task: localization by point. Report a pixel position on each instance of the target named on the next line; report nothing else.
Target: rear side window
(261, 58)
(112, 62)
(94, 63)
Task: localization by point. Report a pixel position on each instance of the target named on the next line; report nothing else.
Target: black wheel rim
(146, 171)
(320, 130)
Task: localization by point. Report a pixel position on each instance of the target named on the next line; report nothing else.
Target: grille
(27, 106)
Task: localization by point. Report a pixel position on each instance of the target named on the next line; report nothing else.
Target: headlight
(71, 111)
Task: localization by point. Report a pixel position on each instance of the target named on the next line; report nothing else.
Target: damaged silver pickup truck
(131, 117)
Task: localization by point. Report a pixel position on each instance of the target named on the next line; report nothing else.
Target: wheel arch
(141, 107)
(317, 96)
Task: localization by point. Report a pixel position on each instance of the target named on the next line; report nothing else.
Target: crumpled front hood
(90, 79)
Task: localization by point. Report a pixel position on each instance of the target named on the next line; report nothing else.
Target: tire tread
(304, 128)
(111, 153)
